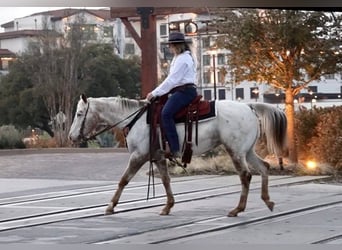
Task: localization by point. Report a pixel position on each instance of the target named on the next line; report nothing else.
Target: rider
(180, 83)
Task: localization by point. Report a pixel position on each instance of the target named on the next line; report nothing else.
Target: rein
(108, 127)
(138, 114)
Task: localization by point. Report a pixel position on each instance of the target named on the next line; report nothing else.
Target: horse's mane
(121, 103)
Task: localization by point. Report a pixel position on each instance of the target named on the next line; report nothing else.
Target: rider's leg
(175, 103)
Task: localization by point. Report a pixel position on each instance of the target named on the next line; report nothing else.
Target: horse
(237, 126)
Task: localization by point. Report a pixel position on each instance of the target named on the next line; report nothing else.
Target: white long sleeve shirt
(182, 71)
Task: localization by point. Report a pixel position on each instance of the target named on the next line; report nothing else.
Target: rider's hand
(149, 97)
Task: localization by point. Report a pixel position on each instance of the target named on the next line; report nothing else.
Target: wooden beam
(133, 32)
(132, 12)
(149, 62)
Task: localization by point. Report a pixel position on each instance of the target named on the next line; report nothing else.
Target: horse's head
(85, 121)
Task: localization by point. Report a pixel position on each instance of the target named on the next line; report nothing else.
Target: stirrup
(178, 163)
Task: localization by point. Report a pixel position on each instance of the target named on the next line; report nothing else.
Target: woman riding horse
(181, 84)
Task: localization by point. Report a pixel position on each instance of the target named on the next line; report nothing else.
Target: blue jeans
(175, 103)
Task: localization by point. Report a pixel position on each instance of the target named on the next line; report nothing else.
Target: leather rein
(108, 127)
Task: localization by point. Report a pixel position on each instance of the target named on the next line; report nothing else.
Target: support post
(149, 68)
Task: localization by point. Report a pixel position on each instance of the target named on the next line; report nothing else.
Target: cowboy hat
(178, 37)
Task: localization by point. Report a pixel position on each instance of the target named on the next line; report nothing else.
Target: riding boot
(168, 154)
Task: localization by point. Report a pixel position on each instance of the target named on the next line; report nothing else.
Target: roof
(6, 53)
(62, 13)
(20, 33)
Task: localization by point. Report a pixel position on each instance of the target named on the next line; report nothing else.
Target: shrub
(319, 135)
(326, 144)
(10, 137)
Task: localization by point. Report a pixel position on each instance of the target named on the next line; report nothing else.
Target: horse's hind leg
(165, 177)
(262, 167)
(245, 178)
(134, 164)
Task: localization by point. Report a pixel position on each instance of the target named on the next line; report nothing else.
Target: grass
(221, 164)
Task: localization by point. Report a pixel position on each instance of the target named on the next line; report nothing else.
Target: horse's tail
(273, 124)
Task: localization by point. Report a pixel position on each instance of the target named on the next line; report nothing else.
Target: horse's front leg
(135, 163)
(165, 177)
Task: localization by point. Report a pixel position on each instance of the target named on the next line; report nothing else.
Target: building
(215, 80)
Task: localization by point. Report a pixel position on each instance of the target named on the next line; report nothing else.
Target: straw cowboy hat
(178, 37)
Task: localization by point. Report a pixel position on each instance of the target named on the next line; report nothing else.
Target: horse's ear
(84, 98)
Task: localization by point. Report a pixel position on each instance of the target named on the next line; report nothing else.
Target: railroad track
(132, 205)
(94, 210)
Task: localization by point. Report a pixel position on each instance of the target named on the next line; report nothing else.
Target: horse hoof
(109, 211)
(232, 213)
(270, 205)
(164, 212)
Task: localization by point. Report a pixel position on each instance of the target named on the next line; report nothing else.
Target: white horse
(236, 125)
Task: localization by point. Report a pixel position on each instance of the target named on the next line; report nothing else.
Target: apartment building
(214, 78)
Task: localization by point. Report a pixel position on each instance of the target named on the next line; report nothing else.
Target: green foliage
(10, 138)
(285, 48)
(25, 97)
(20, 103)
(319, 135)
(105, 74)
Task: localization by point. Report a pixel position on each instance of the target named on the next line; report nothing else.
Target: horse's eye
(79, 114)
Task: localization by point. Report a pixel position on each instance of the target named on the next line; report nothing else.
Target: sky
(8, 14)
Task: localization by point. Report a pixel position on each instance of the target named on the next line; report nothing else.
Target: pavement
(31, 171)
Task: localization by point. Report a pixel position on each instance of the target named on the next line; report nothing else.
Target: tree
(286, 49)
(44, 83)
(106, 74)
(19, 102)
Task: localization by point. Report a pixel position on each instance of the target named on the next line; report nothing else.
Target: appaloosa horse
(237, 126)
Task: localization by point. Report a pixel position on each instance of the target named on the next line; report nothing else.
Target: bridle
(83, 138)
(81, 134)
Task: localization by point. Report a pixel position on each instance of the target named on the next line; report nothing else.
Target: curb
(60, 151)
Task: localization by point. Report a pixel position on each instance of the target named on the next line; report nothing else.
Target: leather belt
(182, 87)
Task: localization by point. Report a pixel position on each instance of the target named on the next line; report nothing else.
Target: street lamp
(256, 93)
(277, 94)
(313, 100)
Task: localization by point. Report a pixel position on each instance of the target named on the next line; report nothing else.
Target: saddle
(189, 115)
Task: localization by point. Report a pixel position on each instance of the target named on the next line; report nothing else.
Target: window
(220, 59)
(107, 31)
(254, 93)
(164, 49)
(221, 75)
(207, 94)
(239, 93)
(312, 89)
(163, 30)
(129, 49)
(221, 94)
(329, 76)
(206, 60)
(127, 33)
(87, 30)
(206, 42)
(206, 77)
